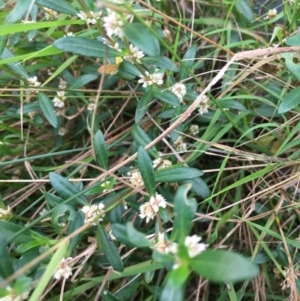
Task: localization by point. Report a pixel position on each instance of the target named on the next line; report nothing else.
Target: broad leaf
(137, 238)
(143, 105)
(167, 96)
(187, 62)
(162, 62)
(223, 266)
(199, 187)
(140, 36)
(184, 211)
(244, 8)
(290, 101)
(6, 266)
(60, 6)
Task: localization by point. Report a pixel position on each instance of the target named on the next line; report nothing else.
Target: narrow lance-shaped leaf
(146, 169)
(65, 188)
(187, 62)
(110, 250)
(184, 211)
(100, 150)
(137, 238)
(176, 174)
(167, 96)
(48, 109)
(223, 266)
(290, 101)
(75, 224)
(141, 138)
(143, 105)
(85, 47)
(61, 6)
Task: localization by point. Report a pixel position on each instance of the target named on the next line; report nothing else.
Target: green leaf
(120, 233)
(223, 266)
(141, 138)
(100, 150)
(65, 188)
(83, 80)
(171, 292)
(6, 266)
(52, 200)
(176, 174)
(137, 238)
(179, 276)
(85, 47)
(48, 109)
(107, 296)
(184, 211)
(146, 169)
(18, 11)
(16, 67)
(143, 105)
(187, 62)
(290, 101)
(167, 96)
(22, 285)
(9, 230)
(48, 274)
(291, 66)
(199, 187)
(162, 62)
(293, 40)
(75, 224)
(110, 250)
(59, 211)
(243, 7)
(59, 6)
(140, 36)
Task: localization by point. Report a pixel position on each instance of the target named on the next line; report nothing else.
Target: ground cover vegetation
(149, 150)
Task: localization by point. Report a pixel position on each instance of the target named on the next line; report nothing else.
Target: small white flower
(91, 106)
(135, 178)
(69, 34)
(91, 18)
(33, 81)
(44, 211)
(50, 14)
(161, 164)
(147, 211)
(113, 23)
(62, 84)
(179, 145)
(94, 213)
(107, 187)
(165, 246)
(28, 21)
(63, 270)
(5, 212)
(272, 13)
(157, 201)
(203, 105)
(179, 90)
(194, 129)
(151, 79)
(58, 101)
(62, 131)
(134, 55)
(193, 245)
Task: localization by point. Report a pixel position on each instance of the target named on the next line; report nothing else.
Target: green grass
(233, 182)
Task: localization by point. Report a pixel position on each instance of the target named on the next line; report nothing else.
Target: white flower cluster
(179, 145)
(90, 18)
(134, 55)
(160, 163)
(135, 178)
(94, 213)
(149, 209)
(194, 129)
(32, 81)
(203, 105)
(4, 213)
(151, 79)
(64, 269)
(179, 90)
(50, 14)
(58, 101)
(114, 22)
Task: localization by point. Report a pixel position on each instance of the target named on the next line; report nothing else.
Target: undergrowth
(149, 150)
